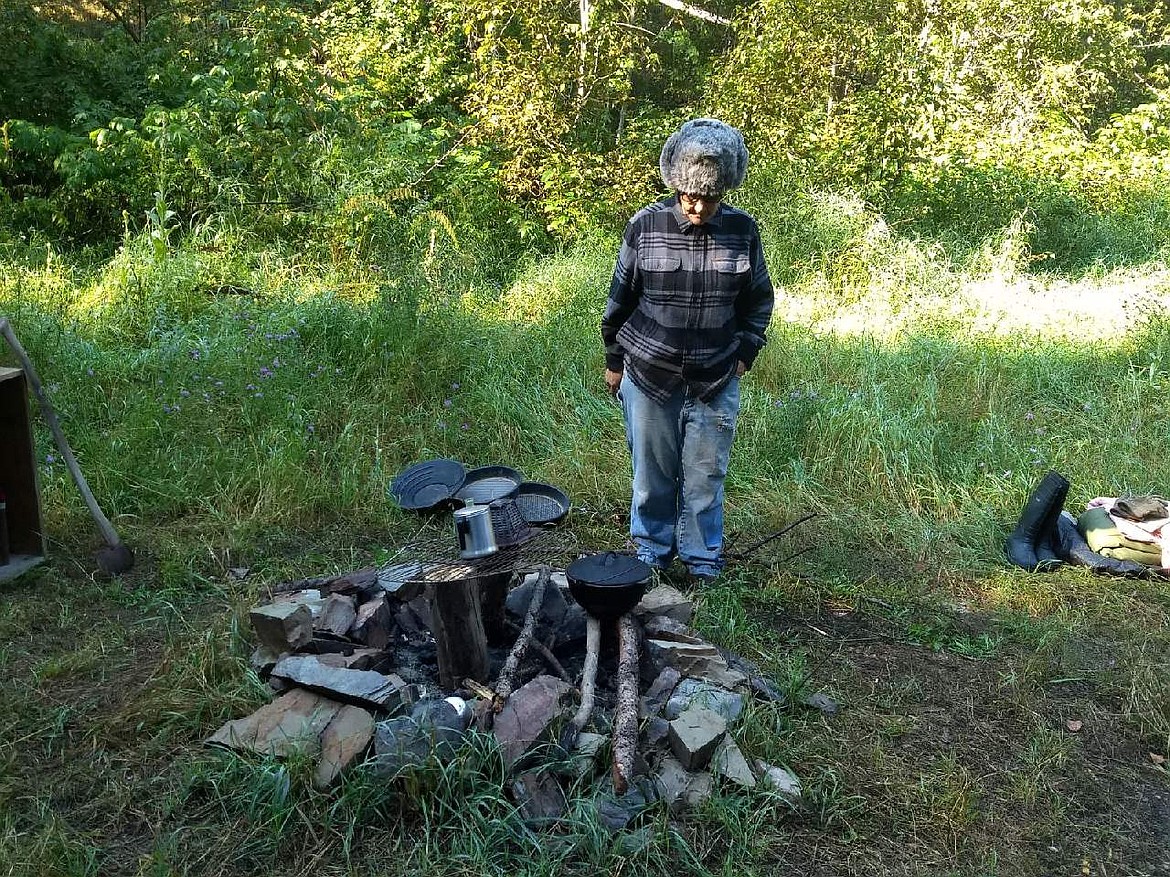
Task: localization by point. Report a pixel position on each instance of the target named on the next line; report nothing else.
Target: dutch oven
(608, 585)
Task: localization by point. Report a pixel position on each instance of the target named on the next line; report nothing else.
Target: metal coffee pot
(473, 529)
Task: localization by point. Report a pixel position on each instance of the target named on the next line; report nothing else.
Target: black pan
(488, 483)
(542, 504)
(428, 485)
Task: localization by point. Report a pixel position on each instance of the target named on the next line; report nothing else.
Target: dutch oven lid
(608, 568)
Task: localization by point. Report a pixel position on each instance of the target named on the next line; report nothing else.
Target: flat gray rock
(698, 692)
(310, 597)
(360, 687)
(666, 601)
(678, 787)
(539, 797)
(283, 627)
(615, 812)
(263, 660)
(660, 691)
(694, 735)
(822, 703)
(728, 762)
(780, 781)
(337, 615)
(655, 731)
(699, 660)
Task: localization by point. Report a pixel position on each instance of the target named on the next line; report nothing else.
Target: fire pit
(386, 669)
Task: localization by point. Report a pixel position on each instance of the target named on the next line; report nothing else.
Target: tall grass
(904, 396)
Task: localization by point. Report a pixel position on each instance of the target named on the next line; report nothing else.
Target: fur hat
(704, 157)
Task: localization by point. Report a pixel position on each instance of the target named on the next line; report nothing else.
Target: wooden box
(18, 476)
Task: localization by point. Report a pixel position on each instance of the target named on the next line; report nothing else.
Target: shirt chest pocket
(660, 264)
(732, 265)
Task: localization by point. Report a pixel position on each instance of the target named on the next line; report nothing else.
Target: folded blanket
(1103, 537)
(1141, 508)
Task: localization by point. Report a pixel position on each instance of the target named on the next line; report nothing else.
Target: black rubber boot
(1028, 546)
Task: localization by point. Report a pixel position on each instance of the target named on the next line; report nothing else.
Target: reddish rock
(343, 741)
(291, 723)
(373, 623)
(526, 718)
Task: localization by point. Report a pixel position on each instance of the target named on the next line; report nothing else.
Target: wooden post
(459, 634)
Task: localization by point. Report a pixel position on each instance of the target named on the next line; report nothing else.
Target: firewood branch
(507, 679)
(625, 727)
(588, 683)
(545, 652)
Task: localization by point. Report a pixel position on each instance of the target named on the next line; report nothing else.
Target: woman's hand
(740, 369)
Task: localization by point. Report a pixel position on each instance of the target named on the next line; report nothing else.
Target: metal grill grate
(437, 556)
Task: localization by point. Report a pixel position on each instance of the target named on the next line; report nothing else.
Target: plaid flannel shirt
(687, 301)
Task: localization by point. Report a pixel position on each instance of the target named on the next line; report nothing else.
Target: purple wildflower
(446, 403)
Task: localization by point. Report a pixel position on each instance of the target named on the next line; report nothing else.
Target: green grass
(910, 396)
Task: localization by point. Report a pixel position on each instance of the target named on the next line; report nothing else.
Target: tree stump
(459, 633)
(493, 592)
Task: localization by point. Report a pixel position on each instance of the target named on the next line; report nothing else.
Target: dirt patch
(972, 761)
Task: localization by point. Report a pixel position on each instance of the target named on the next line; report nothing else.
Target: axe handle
(50, 415)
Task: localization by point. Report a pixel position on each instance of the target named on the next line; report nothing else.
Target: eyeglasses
(691, 201)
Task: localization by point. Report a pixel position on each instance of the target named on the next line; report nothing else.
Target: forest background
(265, 255)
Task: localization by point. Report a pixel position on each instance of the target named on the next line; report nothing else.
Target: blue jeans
(680, 453)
